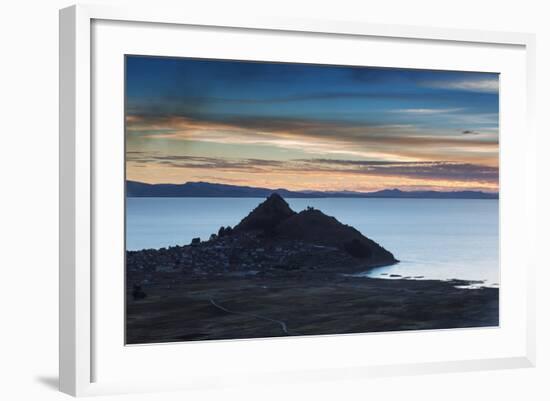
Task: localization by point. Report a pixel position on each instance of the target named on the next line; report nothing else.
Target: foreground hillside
(232, 307)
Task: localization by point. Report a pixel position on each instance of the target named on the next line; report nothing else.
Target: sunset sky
(310, 127)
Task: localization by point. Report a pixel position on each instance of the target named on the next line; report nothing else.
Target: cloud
(398, 142)
(425, 170)
(487, 85)
(203, 162)
(428, 111)
(454, 80)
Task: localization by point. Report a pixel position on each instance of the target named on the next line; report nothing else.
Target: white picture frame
(79, 225)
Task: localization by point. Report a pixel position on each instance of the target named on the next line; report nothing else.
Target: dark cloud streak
(359, 133)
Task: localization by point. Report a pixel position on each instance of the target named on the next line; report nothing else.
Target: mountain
(274, 221)
(268, 214)
(136, 189)
(313, 226)
(199, 189)
(396, 193)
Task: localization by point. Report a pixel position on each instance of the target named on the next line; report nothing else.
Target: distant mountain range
(136, 189)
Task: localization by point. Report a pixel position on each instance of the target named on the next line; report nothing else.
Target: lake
(433, 238)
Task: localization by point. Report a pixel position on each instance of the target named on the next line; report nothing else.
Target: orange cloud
(391, 142)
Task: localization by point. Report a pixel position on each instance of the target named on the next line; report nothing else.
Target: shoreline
(459, 282)
(360, 274)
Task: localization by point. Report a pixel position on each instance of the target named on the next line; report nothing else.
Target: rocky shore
(280, 273)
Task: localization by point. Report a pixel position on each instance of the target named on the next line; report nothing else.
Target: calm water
(435, 238)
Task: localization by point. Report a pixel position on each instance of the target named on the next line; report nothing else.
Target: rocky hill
(313, 226)
(276, 220)
(273, 239)
(266, 216)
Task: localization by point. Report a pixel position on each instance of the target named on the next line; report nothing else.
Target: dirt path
(279, 322)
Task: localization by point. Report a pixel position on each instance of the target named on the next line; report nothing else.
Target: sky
(310, 127)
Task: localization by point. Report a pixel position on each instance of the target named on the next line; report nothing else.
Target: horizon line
(320, 191)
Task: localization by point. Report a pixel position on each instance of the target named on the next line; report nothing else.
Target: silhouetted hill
(136, 189)
(275, 220)
(267, 215)
(314, 226)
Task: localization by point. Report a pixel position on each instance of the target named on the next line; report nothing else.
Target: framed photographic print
(357, 198)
